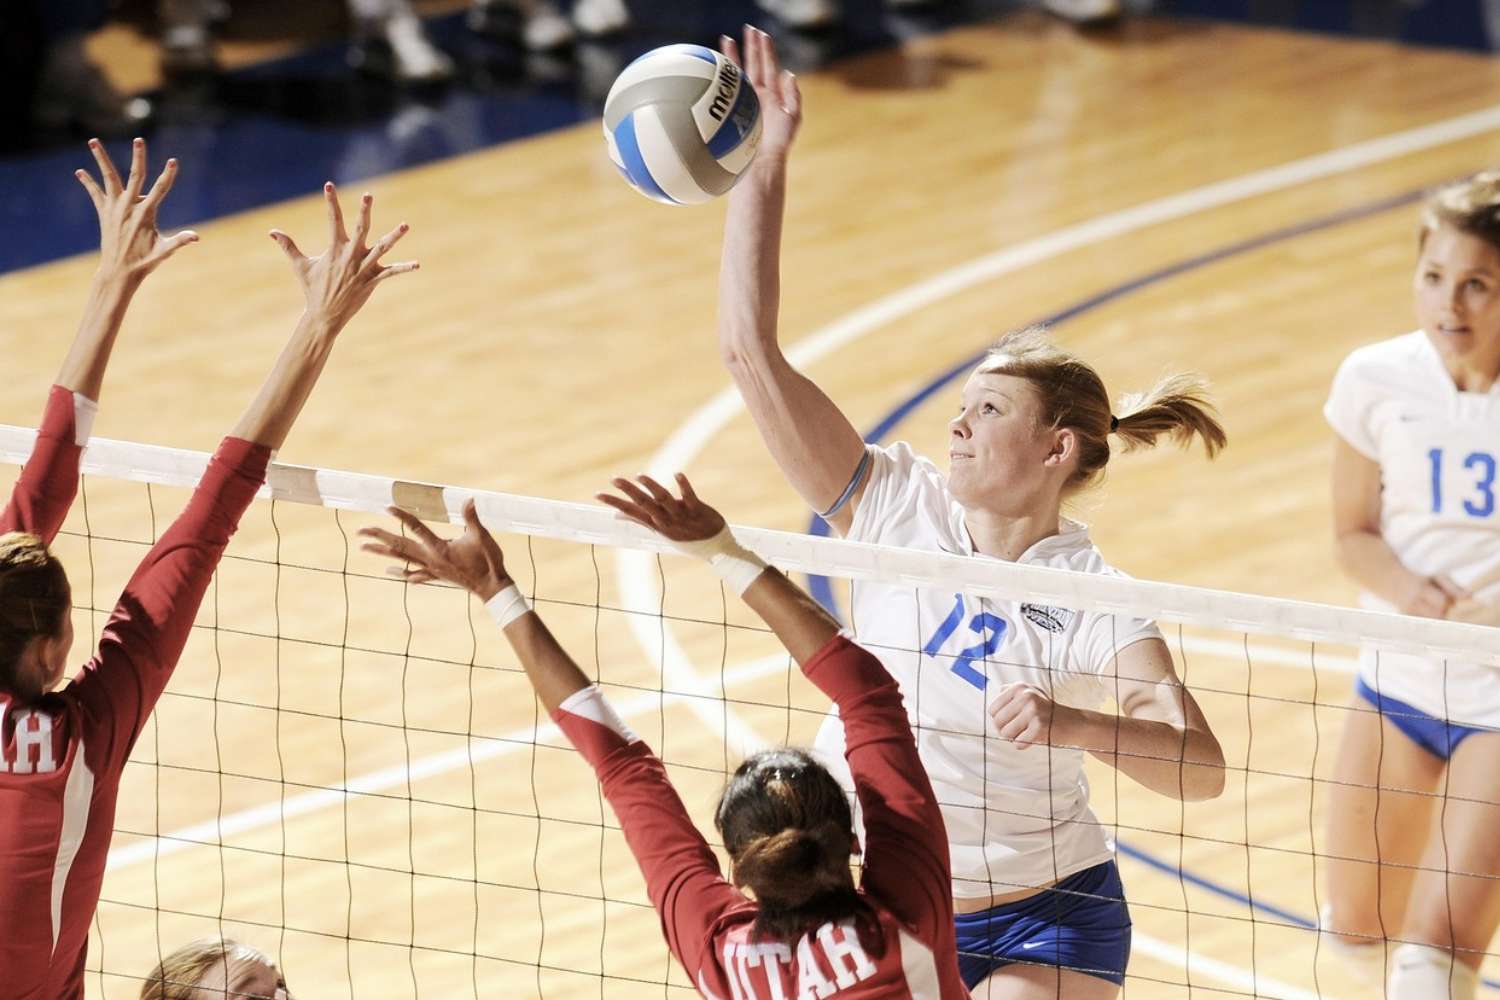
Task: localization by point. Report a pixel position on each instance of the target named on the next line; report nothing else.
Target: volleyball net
(353, 775)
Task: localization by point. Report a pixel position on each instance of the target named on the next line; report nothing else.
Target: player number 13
(1482, 465)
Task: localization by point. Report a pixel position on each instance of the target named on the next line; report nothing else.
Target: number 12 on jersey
(991, 630)
(1482, 465)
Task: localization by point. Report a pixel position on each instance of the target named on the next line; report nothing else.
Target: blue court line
(823, 590)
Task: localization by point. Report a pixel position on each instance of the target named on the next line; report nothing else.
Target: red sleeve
(48, 482)
(906, 846)
(145, 635)
(682, 874)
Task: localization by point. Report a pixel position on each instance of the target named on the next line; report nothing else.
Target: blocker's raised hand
(677, 519)
(339, 281)
(473, 560)
(130, 247)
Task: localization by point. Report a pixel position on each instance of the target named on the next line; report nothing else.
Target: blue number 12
(991, 630)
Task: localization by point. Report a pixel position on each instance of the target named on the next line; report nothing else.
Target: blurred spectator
(50, 81)
(388, 39)
(820, 13)
(543, 27)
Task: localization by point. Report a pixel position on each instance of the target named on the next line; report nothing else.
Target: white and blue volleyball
(682, 124)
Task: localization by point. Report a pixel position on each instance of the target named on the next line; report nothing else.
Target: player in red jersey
(62, 751)
(810, 932)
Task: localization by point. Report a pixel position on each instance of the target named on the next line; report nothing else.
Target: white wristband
(736, 565)
(506, 606)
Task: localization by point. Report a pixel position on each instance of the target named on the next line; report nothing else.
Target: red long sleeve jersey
(707, 921)
(61, 757)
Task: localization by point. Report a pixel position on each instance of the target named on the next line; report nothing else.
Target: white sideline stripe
(1253, 984)
(677, 453)
(590, 524)
(209, 833)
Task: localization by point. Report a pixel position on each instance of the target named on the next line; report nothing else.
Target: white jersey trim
(78, 797)
(590, 703)
(919, 966)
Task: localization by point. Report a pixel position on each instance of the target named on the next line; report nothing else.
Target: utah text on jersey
(825, 962)
(27, 748)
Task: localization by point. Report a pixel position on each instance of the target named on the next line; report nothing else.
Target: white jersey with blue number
(1395, 403)
(1015, 817)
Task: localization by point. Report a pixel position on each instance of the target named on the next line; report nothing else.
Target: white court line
(634, 570)
(210, 833)
(1252, 983)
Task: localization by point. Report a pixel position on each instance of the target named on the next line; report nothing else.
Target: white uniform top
(1395, 403)
(1015, 817)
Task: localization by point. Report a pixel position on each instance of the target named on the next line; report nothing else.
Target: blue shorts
(1081, 924)
(1437, 737)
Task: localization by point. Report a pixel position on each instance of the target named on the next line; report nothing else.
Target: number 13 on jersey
(1480, 465)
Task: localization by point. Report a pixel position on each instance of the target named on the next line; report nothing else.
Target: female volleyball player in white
(1417, 430)
(1005, 696)
(62, 751)
(809, 932)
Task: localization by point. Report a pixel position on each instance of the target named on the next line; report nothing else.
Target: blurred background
(283, 93)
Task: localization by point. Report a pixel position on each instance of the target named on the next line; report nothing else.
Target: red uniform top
(61, 756)
(707, 921)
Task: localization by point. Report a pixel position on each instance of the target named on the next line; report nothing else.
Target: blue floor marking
(823, 590)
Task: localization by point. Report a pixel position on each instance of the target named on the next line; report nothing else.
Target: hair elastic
(1114, 423)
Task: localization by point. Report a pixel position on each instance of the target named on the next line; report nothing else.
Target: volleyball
(682, 124)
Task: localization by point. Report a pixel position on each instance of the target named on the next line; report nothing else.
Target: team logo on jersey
(1049, 618)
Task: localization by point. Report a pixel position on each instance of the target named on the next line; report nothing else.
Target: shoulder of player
(1393, 357)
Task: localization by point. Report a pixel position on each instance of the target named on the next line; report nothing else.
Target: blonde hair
(1471, 206)
(33, 598)
(1072, 395)
(176, 976)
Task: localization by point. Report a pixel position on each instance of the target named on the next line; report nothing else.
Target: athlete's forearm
(109, 299)
(1181, 762)
(552, 672)
(800, 622)
(750, 270)
(1371, 563)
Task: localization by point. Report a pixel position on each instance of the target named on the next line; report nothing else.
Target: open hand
(473, 560)
(780, 100)
(339, 281)
(684, 519)
(130, 247)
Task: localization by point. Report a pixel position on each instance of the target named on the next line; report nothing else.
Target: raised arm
(130, 248)
(144, 638)
(682, 875)
(816, 446)
(906, 846)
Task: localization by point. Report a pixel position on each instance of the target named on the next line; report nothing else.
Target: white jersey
(1395, 403)
(1016, 818)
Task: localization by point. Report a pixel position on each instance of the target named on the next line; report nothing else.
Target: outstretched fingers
(730, 49)
(414, 524)
(384, 244)
(136, 182)
(362, 221)
(95, 193)
(288, 246)
(164, 182)
(107, 171)
(168, 247)
(336, 232)
(790, 94)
